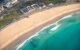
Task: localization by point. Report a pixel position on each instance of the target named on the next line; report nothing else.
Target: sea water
(61, 35)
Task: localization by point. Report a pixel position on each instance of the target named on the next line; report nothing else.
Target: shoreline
(37, 33)
(27, 33)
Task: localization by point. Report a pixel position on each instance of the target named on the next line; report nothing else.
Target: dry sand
(20, 28)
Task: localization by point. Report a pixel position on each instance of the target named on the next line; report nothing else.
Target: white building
(10, 3)
(14, 1)
(1, 8)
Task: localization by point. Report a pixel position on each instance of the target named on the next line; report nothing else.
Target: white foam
(37, 33)
(55, 28)
(65, 17)
(19, 46)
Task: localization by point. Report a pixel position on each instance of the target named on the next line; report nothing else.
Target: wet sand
(27, 26)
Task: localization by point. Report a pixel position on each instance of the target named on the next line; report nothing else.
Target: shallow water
(62, 35)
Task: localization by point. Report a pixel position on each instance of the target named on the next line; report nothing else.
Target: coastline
(32, 27)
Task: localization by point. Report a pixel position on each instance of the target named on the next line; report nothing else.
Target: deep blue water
(65, 35)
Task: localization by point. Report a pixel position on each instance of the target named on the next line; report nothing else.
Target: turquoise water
(62, 35)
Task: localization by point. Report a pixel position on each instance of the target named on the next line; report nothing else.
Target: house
(24, 10)
(14, 1)
(9, 3)
(1, 8)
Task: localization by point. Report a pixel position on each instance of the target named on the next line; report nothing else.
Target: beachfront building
(14, 1)
(1, 8)
(10, 3)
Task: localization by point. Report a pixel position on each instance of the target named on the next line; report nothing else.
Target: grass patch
(14, 15)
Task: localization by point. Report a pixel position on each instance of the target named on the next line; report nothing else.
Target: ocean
(61, 35)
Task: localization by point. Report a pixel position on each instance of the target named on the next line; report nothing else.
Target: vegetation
(50, 1)
(15, 14)
(55, 1)
(58, 1)
(9, 18)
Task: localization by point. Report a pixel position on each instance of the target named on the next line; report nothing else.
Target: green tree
(53, 1)
(57, 1)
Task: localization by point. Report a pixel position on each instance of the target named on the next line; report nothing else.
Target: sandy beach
(27, 26)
